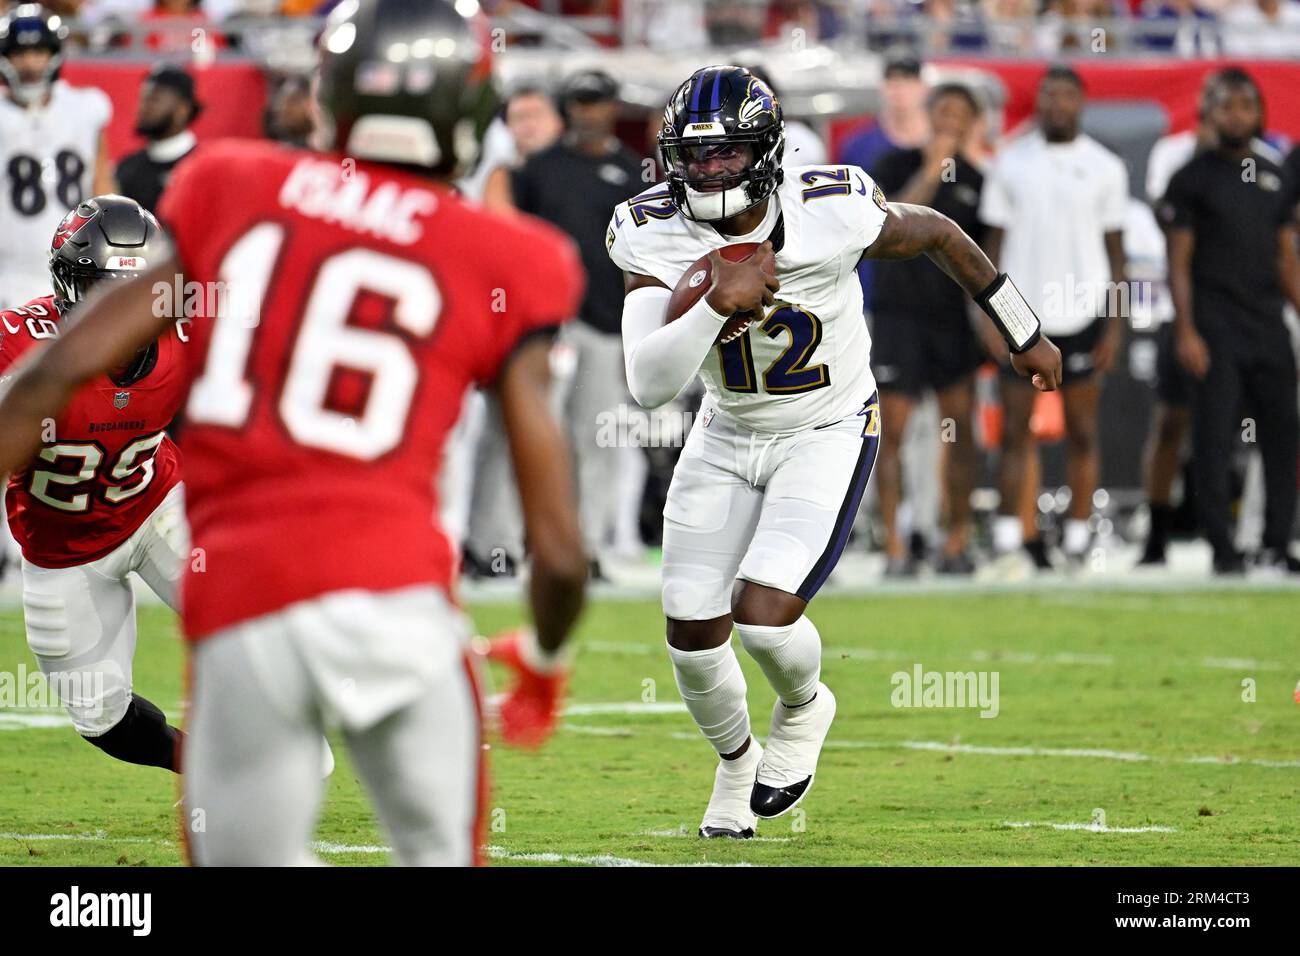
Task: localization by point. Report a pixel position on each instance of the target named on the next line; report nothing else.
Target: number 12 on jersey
(789, 372)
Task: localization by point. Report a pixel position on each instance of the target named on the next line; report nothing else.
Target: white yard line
(684, 833)
(12, 720)
(979, 655)
(322, 846)
(96, 836)
(501, 853)
(984, 750)
(1089, 827)
(1240, 664)
(624, 707)
(335, 849)
(991, 751)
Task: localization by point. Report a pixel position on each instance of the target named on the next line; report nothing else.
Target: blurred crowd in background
(1236, 28)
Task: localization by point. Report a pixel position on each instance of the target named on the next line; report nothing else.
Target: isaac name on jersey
(315, 426)
(107, 463)
(808, 361)
(47, 155)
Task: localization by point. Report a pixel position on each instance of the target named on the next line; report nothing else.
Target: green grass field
(1121, 708)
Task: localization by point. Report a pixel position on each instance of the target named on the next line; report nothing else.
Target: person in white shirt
(1262, 29)
(1055, 201)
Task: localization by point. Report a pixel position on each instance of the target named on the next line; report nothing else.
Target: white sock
(1007, 534)
(713, 688)
(1076, 537)
(790, 656)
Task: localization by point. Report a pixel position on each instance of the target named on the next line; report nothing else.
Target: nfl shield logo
(120, 399)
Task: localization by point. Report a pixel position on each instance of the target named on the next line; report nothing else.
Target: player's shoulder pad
(838, 197)
(92, 98)
(24, 326)
(641, 226)
(825, 181)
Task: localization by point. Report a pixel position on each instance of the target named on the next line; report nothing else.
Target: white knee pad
(95, 696)
(695, 592)
(94, 693)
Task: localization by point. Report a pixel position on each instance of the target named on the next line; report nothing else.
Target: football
(697, 279)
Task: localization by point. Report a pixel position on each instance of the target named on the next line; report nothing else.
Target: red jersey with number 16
(349, 306)
(107, 462)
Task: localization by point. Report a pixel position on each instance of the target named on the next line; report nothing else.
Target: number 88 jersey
(808, 362)
(47, 166)
(106, 462)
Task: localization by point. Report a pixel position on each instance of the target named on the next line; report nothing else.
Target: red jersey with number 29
(354, 304)
(107, 462)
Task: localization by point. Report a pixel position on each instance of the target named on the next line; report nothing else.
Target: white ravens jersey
(47, 166)
(808, 362)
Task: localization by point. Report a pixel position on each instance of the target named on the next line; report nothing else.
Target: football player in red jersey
(102, 496)
(359, 297)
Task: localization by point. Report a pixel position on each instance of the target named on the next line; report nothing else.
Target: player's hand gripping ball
(698, 279)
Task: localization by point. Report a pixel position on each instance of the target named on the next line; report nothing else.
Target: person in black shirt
(922, 336)
(166, 109)
(1230, 216)
(574, 184)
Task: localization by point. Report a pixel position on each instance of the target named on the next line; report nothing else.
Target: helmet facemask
(72, 283)
(742, 116)
(29, 93)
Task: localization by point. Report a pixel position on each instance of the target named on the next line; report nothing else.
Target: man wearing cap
(166, 109)
(574, 184)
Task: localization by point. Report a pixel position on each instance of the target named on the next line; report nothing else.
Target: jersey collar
(172, 148)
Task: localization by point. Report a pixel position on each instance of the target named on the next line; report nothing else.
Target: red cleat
(529, 710)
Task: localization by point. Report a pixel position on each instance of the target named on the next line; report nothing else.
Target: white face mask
(723, 204)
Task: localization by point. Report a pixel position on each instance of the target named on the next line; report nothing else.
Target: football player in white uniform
(767, 487)
(53, 150)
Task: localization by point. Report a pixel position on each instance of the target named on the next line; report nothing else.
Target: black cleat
(959, 563)
(1153, 553)
(1276, 559)
(499, 567)
(1230, 562)
(768, 802)
(904, 567)
(1037, 549)
(713, 833)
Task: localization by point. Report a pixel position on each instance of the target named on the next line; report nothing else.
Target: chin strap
(140, 366)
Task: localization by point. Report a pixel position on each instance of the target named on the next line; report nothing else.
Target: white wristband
(1013, 316)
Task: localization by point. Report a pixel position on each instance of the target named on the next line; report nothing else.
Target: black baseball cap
(174, 78)
(904, 64)
(590, 86)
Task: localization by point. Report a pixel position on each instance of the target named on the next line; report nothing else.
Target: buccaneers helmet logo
(72, 222)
